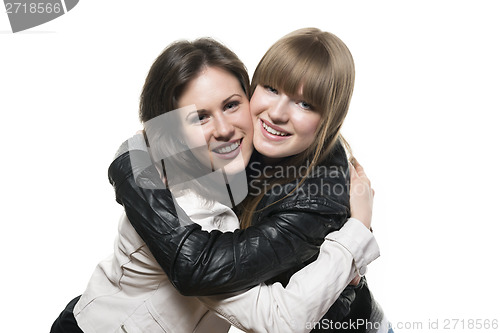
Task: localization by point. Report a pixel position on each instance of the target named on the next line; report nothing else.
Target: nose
(223, 128)
(278, 111)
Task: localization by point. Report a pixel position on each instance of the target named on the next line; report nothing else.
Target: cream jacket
(130, 293)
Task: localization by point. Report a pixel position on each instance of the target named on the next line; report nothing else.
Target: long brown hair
(322, 64)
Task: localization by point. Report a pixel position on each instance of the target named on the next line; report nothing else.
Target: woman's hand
(361, 200)
(361, 195)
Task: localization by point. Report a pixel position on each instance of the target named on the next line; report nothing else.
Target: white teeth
(272, 130)
(228, 149)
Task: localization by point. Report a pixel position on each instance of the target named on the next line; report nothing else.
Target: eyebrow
(227, 99)
(205, 110)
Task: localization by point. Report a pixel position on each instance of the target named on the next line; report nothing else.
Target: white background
(423, 121)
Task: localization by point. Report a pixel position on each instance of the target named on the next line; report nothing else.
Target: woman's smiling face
(219, 120)
(283, 125)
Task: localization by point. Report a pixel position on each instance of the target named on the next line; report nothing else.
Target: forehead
(212, 86)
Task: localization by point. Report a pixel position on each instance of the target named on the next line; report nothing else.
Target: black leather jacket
(283, 238)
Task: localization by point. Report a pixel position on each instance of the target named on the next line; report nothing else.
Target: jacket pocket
(143, 321)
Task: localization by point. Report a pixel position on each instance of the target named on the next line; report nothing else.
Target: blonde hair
(322, 65)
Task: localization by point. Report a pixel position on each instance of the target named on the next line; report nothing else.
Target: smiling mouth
(272, 131)
(226, 149)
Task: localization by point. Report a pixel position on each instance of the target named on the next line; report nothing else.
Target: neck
(270, 160)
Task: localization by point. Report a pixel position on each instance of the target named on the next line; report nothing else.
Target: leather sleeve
(201, 263)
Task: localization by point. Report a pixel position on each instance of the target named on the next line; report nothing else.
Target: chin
(270, 152)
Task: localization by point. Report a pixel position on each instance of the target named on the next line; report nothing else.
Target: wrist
(366, 221)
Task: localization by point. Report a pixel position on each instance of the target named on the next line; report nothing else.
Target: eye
(271, 89)
(305, 105)
(203, 118)
(233, 105)
(199, 118)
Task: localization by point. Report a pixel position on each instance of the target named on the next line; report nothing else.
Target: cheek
(257, 104)
(196, 136)
(245, 121)
(307, 125)
(253, 108)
